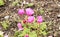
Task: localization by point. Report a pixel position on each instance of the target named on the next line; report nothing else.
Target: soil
(51, 11)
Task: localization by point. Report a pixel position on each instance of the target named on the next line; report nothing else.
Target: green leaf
(35, 25)
(44, 33)
(30, 4)
(20, 35)
(33, 34)
(14, 3)
(16, 33)
(41, 11)
(26, 30)
(4, 24)
(43, 26)
(1, 2)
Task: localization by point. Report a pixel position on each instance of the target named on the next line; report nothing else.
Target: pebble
(58, 15)
(45, 14)
(6, 17)
(32, 0)
(25, 2)
(58, 4)
(6, 36)
(50, 36)
(59, 28)
(10, 0)
(1, 33)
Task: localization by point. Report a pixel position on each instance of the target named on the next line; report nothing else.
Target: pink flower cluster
(31, 19)
(29, 12)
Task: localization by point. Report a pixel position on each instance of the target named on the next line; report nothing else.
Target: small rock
(50, 36)
(10, 0)
(32, 0)
(58, 4)
(59, 28)
(1, 33)
(25, 2)
(6, 36)
(6, 17)
(58, 15)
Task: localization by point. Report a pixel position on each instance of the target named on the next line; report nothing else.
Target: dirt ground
(51, 15)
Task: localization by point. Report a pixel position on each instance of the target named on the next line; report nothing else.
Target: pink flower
(26, 35)
(30, 19)
(29, 11)
(19, 25)
(21, 11)
(6, 36)
(39, 19)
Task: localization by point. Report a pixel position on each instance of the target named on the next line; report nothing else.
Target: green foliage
(34, 25)
(1, 2)
(22, 33)
(43, 28)
(30, 4)
(33, 34)
(16, 33)
(44, 32)
(5, 24)
(37, 30)
(41, 11)
(26, 30)
(14, 3)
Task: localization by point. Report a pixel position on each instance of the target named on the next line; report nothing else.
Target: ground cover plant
(29, 18)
